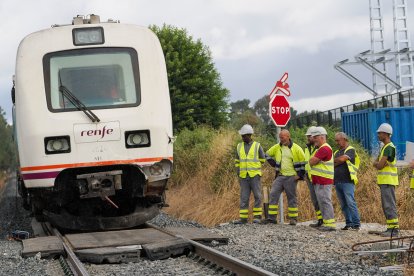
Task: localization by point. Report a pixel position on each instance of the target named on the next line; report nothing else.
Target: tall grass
(204, 186)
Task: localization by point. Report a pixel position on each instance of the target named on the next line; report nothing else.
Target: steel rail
(402, 247)
(221, 259)
(75, 264)
(398, 239)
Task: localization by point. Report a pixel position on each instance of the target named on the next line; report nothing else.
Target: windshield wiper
(76, 102)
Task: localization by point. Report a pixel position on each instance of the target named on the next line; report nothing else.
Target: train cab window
(99, 78)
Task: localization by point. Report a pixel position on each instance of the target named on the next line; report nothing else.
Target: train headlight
(88, 36)
(137, 139)
(57, 144)
(156, 169)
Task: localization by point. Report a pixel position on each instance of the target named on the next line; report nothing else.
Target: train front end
(93, 124)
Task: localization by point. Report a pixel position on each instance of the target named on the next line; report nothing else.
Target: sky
(253, 43)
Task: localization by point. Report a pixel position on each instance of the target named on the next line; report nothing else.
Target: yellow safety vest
(324, 169)
(250, 163)
(309, 155)
(297, 154)
(412, 181)
(388, 174)
(352, 168)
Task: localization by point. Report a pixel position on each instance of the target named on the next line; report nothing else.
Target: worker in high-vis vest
(289, 161)
(346, 163)
(322, 173)
(309, 151)
(249, 159)
(387, 179)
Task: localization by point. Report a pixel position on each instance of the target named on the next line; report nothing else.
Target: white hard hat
(246, 129)
(319, 131)
(387, 128)
(310, 129)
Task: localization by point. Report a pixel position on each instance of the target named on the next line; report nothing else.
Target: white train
(93, 124)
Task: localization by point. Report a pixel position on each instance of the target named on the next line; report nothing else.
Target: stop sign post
(279, 110)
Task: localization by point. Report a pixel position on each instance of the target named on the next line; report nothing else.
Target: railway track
(202, 255)
(220, 261)
(72, 262)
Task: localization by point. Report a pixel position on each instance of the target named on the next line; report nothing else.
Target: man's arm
(340, 160)
(348, 155)
(323, 154)
(262, 156)
(314, 160)
(270, 154)
(379, 165)
(388, 156)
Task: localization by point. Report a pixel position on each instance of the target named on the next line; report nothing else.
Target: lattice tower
(402, 44)
(377, 45)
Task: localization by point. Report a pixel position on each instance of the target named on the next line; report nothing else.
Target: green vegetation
(192, 147)
(7, 152)
(197, 94)
(204, 186)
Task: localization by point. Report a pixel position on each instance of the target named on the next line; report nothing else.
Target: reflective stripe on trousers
(293, 212)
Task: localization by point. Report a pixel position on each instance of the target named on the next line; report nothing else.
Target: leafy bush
(190, 151)
(7, 151)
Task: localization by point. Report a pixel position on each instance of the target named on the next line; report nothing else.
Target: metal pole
(265, 201)
(282, 219)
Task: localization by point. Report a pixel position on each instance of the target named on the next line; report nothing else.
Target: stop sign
(279, 110)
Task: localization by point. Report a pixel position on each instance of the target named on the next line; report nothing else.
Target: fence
(333, 117)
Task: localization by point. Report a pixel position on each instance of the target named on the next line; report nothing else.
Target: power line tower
(377, 45)
(402, 45)
(376, 59)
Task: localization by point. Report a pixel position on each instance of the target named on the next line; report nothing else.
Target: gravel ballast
(281, 249)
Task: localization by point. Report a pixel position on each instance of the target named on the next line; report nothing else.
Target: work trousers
(389, 205)
(248, 185)
(324, 197)
(287, 184)
(345, 193)
(313, 197)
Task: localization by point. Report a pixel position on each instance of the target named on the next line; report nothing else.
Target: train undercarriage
(100, 198)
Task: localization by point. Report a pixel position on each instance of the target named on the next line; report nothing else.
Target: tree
(7, 153)
(196, 91)
(261, 107)
(239, 107)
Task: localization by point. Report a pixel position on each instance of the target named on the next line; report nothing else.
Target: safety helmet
(387, 128)
(310, 129)
(246, 129)
(319, 131)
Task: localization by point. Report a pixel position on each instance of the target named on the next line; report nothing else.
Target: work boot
(269, 221)
(347, 227)
(257, 219)
(293, 221)
(240, 221)
(317, 224)
(326, 228)
(391, 232)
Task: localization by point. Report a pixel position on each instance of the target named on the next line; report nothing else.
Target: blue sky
(252, 42)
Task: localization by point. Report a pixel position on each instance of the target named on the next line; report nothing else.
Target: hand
(297, 177)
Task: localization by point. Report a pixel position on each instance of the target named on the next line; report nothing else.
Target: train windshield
(98, 77)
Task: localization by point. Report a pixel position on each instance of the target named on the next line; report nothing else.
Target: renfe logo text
(97, 132)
